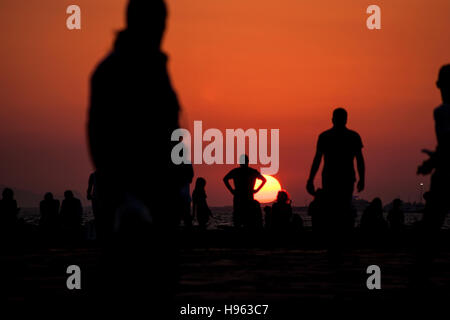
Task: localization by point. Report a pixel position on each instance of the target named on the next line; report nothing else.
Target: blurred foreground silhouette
(133, 112)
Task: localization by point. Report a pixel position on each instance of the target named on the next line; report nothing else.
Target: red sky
(235, 64)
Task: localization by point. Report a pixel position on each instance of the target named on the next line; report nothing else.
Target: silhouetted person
(297, 223)
(253, 217)
(396, 216)
(372, 221)
(49, 210)
(200, 207)
(92, 195)
(317, 211)
(339, 147)
(437, 198)
(268, 217)
(185, 176)
(8, 210)
(133, 112)
(244, 180)
(281, 212)
(71, 212)
(438, 203)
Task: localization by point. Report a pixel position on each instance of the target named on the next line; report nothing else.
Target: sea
(222, 217)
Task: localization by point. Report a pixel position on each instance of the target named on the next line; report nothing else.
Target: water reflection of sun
(270, 190)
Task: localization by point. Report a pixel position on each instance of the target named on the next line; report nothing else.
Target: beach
(224, 267)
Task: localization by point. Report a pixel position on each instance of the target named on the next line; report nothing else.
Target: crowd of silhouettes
(53, 220)
(278, 218)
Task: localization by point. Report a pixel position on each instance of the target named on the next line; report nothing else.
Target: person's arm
(194, 205)
(80, 212)
(191, 173)
(90, 187)
(361, 171)
(210, 212)
(42, 212)
(226, 180)
(314, 168)
(263, 182)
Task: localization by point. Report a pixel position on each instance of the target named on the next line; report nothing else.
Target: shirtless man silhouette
(244, 180)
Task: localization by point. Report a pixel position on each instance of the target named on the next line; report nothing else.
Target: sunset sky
(235, 64)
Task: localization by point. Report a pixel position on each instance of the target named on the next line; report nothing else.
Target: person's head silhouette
(200, 183)
(339, 118)
(443, 82)
(48, 196)
(377, 205)
(147, 18)
(243, 160)
(68, 194)
(283, 197)
(8, 194)
(397, 203)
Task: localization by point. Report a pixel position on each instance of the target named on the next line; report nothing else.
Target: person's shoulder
(105, 66)
(353, 133)
(233, 172)
(441, 109)
(254, 171)
(354, 136)
(326, 133)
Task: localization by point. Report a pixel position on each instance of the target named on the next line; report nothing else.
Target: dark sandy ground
(292, 272)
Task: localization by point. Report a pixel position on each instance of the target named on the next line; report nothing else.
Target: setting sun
(270, 190)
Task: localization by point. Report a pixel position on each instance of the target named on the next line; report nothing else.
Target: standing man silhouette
(244, 179)
(437, 199)
(338, 146)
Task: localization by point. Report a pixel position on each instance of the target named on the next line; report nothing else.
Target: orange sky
(235, 64)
